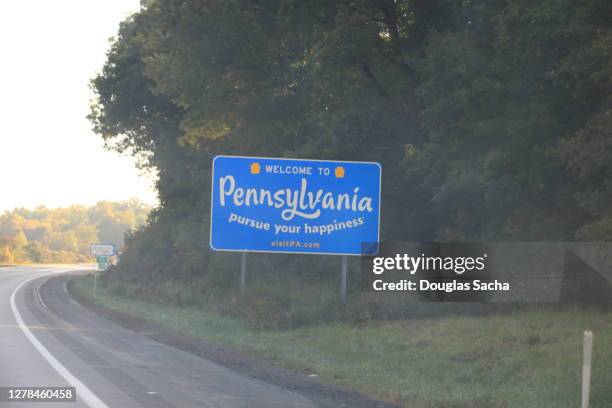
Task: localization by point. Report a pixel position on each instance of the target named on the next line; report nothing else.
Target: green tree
(490, 118)
(65, 234)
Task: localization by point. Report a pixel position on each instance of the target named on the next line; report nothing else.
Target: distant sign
(298, 206)
(102, 262)
(102, 249)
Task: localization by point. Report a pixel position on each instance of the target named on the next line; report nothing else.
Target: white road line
(42, 303)
(85, 393)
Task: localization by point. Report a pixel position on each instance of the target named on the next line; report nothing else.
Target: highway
(48, 339)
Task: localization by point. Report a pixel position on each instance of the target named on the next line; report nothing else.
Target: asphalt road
(47, 339)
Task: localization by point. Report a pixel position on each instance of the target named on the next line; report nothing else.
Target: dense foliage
(491, 119)
(65, 234)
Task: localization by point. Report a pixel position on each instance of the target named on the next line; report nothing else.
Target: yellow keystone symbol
(255, 168)
(339, 172)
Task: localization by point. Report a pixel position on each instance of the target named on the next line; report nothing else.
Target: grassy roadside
(526, 359)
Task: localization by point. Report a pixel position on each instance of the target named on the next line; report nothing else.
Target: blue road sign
(299, 206)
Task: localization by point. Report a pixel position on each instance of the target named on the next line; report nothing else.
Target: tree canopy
(491, 119)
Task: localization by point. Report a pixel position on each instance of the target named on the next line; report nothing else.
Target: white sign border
(212, 190)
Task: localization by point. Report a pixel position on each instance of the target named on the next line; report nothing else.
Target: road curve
(47, 339)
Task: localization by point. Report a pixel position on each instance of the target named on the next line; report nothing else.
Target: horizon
(67, 206)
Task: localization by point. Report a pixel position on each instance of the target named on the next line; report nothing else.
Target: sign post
(587, 355)
(343, 277)
(243, 271)
(261, 204)
(95, 286)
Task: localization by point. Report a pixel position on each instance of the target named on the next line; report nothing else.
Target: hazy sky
(48, 154)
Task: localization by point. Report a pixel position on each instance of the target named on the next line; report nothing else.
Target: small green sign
(102, 262)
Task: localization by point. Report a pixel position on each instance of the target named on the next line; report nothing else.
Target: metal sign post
(343, 277)
(95, 279)
(243, 271)
(587, 356)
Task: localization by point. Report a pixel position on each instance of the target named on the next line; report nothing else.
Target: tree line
(491, 118)
(64, 235)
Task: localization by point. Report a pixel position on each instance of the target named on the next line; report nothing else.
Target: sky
(48, 153)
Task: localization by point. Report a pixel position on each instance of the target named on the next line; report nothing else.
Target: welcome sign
(299, 206)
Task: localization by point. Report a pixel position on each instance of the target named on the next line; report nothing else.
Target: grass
(525, 359)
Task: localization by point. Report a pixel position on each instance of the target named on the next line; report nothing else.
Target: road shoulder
(324, 395)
